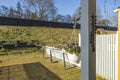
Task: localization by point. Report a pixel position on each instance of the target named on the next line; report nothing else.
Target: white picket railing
(106, 55)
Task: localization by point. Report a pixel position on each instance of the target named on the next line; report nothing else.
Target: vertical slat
(106, 54)
(104, 49)
(113, 56)
(97, 69)
(116, 58)
(102, 56)
(112, 66)
(110, 57)
(98, 52)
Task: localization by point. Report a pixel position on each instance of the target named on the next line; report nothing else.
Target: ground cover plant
(42, 36)
(34, 67)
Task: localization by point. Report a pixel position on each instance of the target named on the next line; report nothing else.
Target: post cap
(119, 7)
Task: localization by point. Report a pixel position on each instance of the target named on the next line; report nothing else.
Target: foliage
(39, 36)
(36, 10)
(19, 11)
(11, 12)
(44, 8)
(8, 45)
(77, 15)
(72, 48)
(104, 22)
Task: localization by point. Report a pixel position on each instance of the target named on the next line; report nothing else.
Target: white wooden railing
(106, 55)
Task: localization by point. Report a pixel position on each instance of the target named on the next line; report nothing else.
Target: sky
(70, 6)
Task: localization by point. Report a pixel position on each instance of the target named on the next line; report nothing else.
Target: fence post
(88, 39)
(119, 43)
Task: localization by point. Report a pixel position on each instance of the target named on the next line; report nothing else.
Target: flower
(72, 48)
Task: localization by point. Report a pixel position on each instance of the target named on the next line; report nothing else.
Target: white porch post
(88, 40)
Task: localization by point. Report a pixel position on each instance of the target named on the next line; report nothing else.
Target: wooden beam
(119, 43)
(88, 40)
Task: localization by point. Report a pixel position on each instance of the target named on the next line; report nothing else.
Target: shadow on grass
(31, 71)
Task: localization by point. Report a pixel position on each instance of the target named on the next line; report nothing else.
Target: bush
(21, 44)
(8, 45)
(0, 46)
(2, 42)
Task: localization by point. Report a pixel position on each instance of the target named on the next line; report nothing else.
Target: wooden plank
(88, 40)
(119, 43)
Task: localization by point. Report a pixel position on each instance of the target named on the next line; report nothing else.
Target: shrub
(8, 45)
(21, 44)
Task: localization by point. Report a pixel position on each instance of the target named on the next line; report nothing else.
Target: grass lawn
(30, 65)
(34, 67)
(37, 35)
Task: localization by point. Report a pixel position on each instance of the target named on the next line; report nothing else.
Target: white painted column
(88, 40)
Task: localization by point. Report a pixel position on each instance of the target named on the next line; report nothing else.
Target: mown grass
(27, 66)
(19, 51)
(34, 67)
(37, 35)
(40, 35)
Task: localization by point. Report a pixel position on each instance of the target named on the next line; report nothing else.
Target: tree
(60, 18)
(98, 14)
(11, 12)
(27, 13)
(4, 11)
(52, 15)
(68, 19)
(104, 22)
(34, 16)
(19, 11)
(77, 15)
(45, 8)
(114, 19)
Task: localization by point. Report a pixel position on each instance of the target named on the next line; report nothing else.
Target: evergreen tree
(11, 12)
(19, 11)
